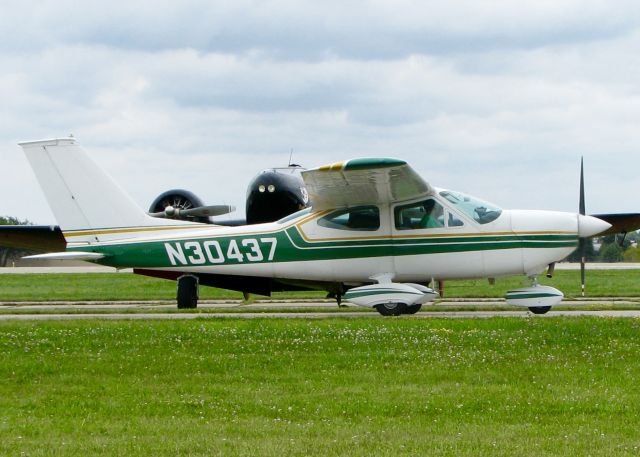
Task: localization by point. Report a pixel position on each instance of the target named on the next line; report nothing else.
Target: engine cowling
(179, 199)
(274, 194)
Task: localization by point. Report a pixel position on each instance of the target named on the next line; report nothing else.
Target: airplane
(376, 234)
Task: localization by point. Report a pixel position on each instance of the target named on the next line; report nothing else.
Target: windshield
(478, 210)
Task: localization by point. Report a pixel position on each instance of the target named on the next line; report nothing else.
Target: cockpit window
(420, 215)
(480, 211)
(366, 218)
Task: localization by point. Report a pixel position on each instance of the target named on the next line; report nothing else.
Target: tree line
(10, 255)
(613, 248)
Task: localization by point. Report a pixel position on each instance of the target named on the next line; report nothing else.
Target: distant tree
(8, 255)
(8, 220)
(611, 252)
(590, 253)
(632, 254)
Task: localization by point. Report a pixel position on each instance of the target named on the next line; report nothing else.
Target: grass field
(558, 386)
(124, 286)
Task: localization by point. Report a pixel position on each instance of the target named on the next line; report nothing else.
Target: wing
(620, 223)
(363, 182)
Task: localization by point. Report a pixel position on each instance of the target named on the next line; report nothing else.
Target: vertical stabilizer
(80, 193)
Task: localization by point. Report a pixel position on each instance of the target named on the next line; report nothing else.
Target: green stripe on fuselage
(292, 247)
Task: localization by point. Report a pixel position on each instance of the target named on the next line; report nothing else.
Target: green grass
(599, 283)
(105, 287)
(557, 386)
(126, 286)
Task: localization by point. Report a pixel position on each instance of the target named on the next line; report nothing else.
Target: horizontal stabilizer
(620, 223)
(66, 256)
(38, 238)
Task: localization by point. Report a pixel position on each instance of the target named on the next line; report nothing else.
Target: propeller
(201, 211)
(582, 246)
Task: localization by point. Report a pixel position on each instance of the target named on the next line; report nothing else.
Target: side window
(453, 220)
(420, 215)
(365, 218)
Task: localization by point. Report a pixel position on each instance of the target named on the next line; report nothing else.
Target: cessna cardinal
(376, 235)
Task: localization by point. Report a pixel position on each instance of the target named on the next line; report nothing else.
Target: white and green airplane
(376, 235)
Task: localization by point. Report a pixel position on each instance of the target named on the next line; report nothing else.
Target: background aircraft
(376, 234)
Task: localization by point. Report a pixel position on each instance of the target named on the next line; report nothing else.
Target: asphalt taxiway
(165, 310)
(315, 315)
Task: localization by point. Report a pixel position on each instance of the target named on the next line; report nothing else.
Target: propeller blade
(200, 211)
(582, 206)
(206, 211)
(583, 254)
(582, 246)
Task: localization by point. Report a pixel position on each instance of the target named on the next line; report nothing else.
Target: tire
(391, 309)
(539, 309)
(412, 309)
(187, 295)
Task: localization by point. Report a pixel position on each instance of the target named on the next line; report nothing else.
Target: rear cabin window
(365, 218)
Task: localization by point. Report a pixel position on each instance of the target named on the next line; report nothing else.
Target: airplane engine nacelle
(274, 194)
(386, 293)
(179, 199)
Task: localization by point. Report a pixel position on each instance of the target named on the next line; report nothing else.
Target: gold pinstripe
(132, 230)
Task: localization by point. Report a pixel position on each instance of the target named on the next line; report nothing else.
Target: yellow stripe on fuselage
(134, 230)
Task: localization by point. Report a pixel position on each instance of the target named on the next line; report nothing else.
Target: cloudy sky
(496, 98)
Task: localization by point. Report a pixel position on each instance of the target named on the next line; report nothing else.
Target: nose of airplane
(591, 226)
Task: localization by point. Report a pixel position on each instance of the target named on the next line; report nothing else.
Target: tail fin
(81, 195)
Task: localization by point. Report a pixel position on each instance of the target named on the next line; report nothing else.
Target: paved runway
(315, 315)
(35, 311)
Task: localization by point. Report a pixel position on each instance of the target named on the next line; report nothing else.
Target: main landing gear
(396, 309)
(539, 309)
(187, 294)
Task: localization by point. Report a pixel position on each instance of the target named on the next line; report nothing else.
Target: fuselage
(445, 235)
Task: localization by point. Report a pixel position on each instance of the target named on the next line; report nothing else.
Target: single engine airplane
(376, 235)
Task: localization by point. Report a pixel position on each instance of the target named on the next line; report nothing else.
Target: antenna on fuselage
(291, 164)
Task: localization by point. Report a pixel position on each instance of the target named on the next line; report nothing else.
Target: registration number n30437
(216, 252)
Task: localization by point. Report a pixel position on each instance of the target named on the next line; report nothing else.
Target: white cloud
(495, 98)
